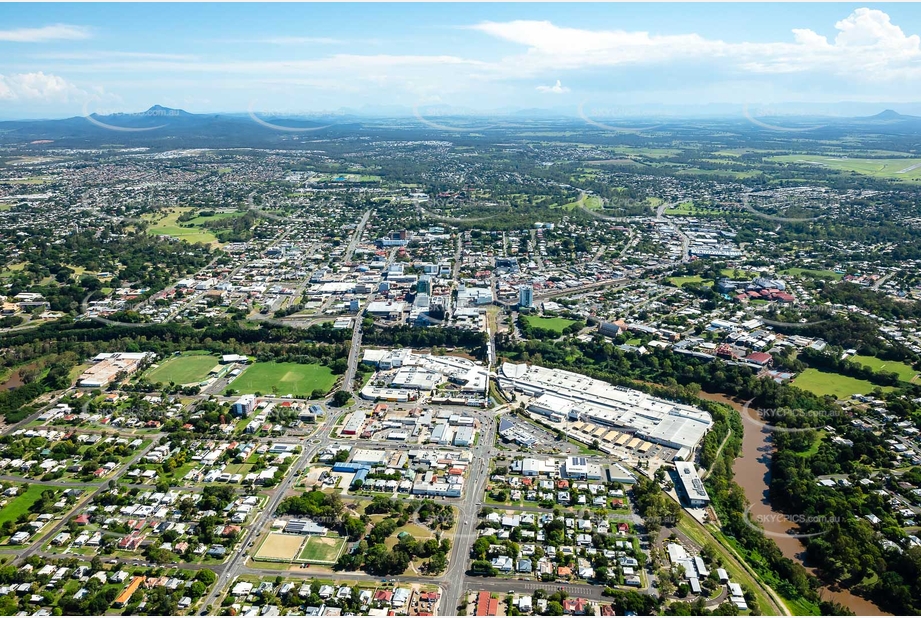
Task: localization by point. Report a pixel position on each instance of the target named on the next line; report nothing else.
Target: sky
(604, 60)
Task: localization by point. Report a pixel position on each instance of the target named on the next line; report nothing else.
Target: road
(87, 498)
(237, 559)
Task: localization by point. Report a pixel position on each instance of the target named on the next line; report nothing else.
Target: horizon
(721, 112)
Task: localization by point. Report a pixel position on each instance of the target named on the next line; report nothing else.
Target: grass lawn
(185, 369)
(169, 226)
(688, 208)
(287, 378)
(731, 273)
(813, 274)
(828, 383)
(21, 503)
(681, 281)
(591, 202)
(906, 372)
(555, 324)
(322, 549)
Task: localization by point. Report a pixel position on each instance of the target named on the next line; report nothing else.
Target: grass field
(278, 546)
(688, 209)
(287, 378)
(894, 169)
(815, 274)
(555, 324)
(20, 504)
(169, 226)
(827, 383)
(185, 369)
(322, 549)
(680, 281)
(906, 372)
(591, 202)
(745, 274)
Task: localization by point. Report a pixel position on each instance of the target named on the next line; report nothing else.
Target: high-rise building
(424, 285)
(243, 407)
(526, 296)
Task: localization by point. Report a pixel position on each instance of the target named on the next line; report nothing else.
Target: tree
(554, 608)
(341, 398)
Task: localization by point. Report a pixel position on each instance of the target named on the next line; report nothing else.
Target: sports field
(905, 371)
(285, 378)
(903, 169)
(185, 369)
(680, 281)
(826, 383)
(815, 274)
(279, 546)
(322, 549)
(554, 324)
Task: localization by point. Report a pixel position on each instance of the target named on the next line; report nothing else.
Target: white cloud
(56, 32)
(37, 87)
(557, 88)
(867, 45)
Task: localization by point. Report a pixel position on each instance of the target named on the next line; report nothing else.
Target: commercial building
(243, 406)
(691, 485)
(566, 395)
(353, 424)
(305, 526)
(464, 436)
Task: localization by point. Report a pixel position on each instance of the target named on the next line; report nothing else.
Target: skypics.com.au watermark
(96, 117)
(765, 418)
(593, 115)
(261, 120)
(763, 522)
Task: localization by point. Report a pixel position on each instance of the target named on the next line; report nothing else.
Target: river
(14, 381)
(753, 473)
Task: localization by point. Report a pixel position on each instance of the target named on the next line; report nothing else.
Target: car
(511, 592)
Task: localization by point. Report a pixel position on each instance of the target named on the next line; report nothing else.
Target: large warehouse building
(564, 395)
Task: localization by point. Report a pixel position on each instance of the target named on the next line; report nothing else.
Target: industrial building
(109, 365)
(564, 395)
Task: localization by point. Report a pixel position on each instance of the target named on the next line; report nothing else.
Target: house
(486, 605)
(575, 607)
(502, 563)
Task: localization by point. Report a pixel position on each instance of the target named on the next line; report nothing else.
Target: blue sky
(612, 59)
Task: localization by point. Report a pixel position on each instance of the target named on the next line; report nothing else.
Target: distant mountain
(890, 115)
(161, 126)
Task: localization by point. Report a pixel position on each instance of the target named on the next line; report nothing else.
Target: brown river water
(753, 473)
(14, 381)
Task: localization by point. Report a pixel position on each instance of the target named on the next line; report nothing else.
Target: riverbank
(753, 473)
